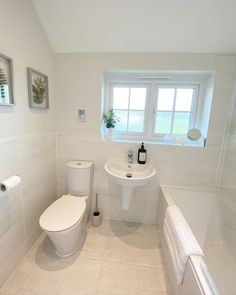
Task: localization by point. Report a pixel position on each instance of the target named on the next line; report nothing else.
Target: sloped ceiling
(204, 26)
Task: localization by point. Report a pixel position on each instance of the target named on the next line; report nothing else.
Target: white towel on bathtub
(180, 241)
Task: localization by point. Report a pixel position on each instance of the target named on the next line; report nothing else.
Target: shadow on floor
(134, 234)
(46, 258)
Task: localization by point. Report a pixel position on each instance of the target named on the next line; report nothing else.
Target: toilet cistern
(130, 157)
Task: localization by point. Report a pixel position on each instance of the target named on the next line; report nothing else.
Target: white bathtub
(196, 207)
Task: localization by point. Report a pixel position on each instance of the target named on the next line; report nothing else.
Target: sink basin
(131, 175)
(128, 176)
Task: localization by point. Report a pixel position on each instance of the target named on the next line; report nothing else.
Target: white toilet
(65, 220)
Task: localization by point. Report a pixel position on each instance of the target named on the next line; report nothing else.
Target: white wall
(27, 136)
(23, 39)
(78, 86)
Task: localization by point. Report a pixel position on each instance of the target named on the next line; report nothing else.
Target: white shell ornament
(194, 134)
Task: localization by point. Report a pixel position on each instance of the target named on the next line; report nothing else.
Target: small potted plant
(110, 119)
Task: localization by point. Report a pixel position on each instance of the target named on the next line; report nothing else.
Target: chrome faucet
(130, 157)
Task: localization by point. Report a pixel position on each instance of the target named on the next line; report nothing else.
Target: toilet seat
(63, 213)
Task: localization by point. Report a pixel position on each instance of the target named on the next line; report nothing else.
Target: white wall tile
(33, 158)
(79, 84)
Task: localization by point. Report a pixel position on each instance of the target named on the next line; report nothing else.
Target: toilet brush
(97, 216)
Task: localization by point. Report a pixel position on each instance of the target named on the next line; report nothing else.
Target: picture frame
(37, 89)
(6, 81)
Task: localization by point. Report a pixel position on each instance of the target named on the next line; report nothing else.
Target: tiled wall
(33, 158)
(79, 85)
(90, 147)
(228, 176)
(175, 165)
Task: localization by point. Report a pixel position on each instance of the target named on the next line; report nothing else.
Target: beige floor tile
(108, 291)
(94, 245)
(78, 278)
(139, 244)
(118, 250)
(121, 228)
(17, 278)
(117, 258)
(39, 282)
(103, 229)
(44, 256)
(131, 278)
(145, 236)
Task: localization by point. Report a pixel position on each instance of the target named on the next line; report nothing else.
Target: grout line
(101, 260)
(160, 267)
(99, 276)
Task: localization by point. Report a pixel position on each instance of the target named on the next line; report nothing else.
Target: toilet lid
(63, 213)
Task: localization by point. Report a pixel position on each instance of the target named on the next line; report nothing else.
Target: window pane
(7, 98)
(136, 120)
(181, 123)
(165, 99)
(137, 98)
(163, 122)
(123, 120)
(4, 94)
(184, 100)
(120, 98)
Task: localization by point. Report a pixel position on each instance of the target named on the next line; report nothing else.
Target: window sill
(185, 143)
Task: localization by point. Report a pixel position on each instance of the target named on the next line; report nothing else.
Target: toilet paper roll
(10, 183)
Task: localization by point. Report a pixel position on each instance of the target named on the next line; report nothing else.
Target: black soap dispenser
(142, 154)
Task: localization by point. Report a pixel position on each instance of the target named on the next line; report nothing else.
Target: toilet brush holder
(97, 216)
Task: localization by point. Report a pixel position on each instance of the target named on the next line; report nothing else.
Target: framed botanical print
(6, 81)
(37, 89)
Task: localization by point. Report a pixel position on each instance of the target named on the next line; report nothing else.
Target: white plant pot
(109, 133)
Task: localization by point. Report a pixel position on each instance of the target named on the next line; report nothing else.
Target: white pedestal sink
(128, 176)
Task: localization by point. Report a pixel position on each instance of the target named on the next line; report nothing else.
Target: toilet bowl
(65, 220)
(64, 224)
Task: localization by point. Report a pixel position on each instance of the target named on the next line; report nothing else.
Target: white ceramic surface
(129, 175)
(191, 202)
(65, 220)
(68, 241)
(64, 213)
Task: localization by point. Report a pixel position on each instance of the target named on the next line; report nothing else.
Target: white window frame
(131, 85)
(151, 107)
(201, 81)
(192, 112)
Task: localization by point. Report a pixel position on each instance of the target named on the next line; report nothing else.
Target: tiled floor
(117, 259)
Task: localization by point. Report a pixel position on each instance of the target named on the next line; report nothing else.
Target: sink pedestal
(128, 176)
(126, 196)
